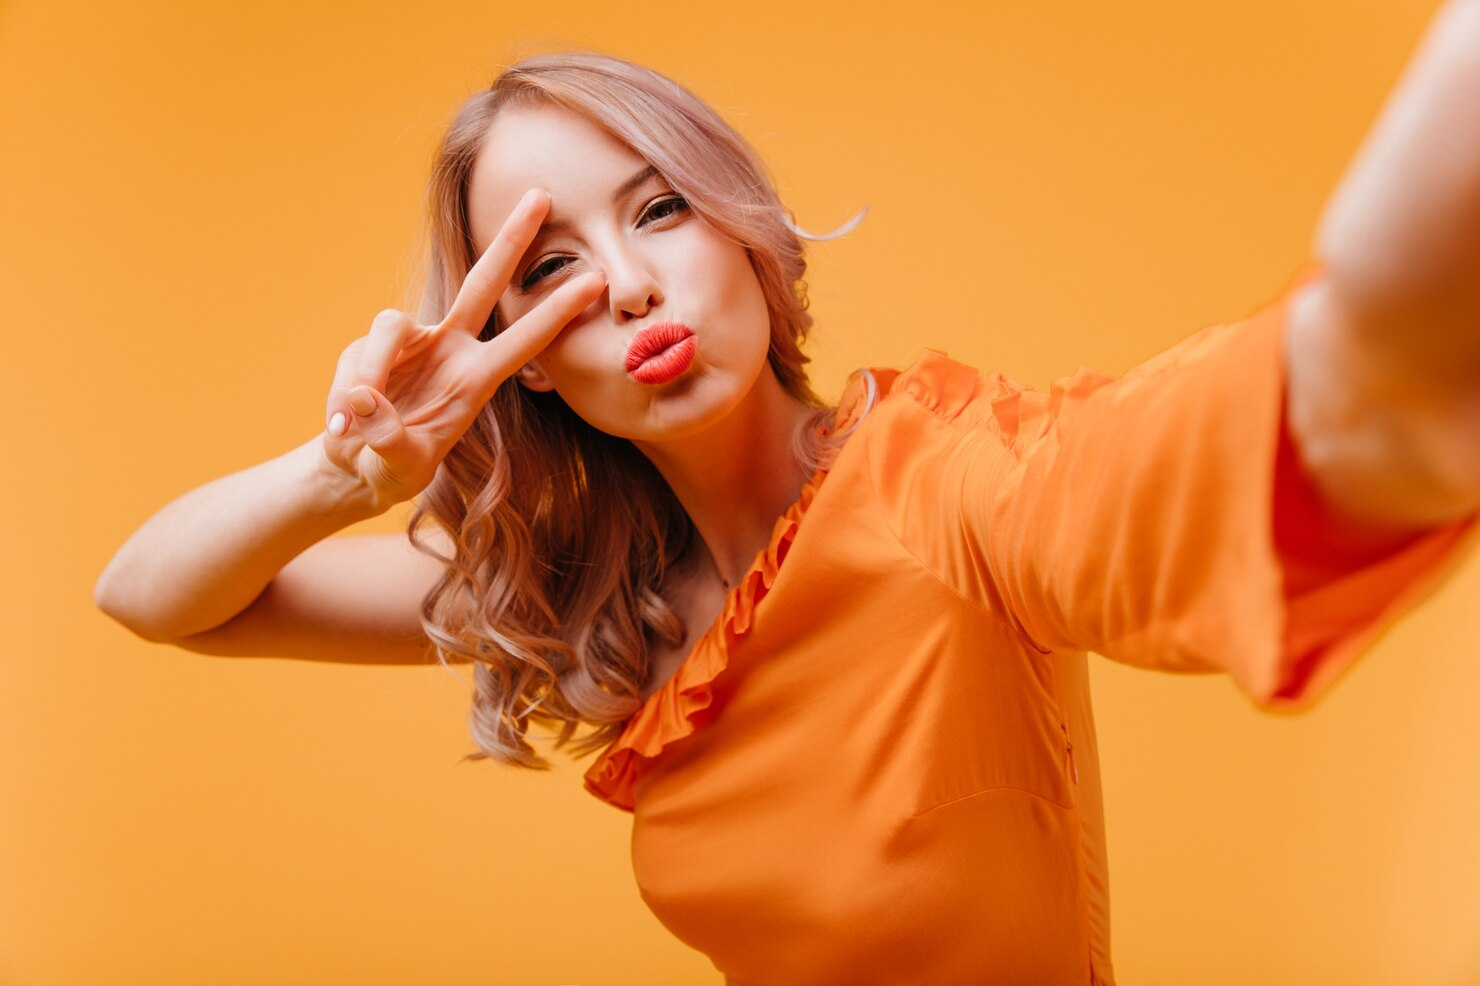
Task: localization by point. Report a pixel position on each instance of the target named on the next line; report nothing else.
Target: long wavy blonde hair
(555, 594)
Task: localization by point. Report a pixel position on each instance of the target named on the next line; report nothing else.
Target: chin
(678, 419)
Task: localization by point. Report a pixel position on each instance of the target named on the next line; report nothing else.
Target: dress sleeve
(1161, 519)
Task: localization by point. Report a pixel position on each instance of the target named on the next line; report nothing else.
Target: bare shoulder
(353, 599)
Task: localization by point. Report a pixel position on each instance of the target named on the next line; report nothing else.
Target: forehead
(547, 147)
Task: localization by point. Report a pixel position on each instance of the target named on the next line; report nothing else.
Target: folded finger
(344, 380)
(390, 332)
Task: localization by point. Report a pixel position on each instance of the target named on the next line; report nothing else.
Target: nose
(631, 284)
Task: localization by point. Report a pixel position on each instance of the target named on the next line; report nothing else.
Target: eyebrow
(623, 190)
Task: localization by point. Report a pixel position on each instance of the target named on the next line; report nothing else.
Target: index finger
(490, 274)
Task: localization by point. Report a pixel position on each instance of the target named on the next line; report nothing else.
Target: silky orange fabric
(879, 765)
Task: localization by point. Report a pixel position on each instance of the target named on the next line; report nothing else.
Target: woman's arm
(1384, 351)
(403, 395)
(204, 557)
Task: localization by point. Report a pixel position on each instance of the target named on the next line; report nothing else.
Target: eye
(664, 209)
(541, 271)
(660, 210)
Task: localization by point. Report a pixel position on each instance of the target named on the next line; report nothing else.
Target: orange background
(201, 209)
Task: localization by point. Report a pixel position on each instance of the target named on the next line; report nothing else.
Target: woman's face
(610, 211)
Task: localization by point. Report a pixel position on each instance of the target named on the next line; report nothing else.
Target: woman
(834, 658)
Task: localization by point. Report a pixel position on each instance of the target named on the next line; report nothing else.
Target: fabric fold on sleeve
(1138, 520)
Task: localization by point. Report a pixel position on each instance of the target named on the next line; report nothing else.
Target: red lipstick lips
(660, 352)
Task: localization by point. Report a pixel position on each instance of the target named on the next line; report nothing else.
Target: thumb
(376, 420)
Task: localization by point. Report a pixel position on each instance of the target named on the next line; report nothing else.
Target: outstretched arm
(1384, 350)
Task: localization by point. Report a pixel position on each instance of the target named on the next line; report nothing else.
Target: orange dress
(879, 765)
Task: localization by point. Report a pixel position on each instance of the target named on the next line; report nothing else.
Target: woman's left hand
(1384, 350)
(1400, 237)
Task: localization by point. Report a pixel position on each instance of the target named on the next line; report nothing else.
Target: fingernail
(361, 402)
(337, 423)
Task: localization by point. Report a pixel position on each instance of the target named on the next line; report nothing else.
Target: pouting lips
(669, 364)
(653, 339)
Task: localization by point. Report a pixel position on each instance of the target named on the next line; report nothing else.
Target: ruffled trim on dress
(1017, 414)
(675, 709)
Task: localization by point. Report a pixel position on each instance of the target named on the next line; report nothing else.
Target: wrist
(339, 492)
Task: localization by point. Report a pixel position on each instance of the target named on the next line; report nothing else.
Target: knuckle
(387, 320)
(351, 353)
(480, 279)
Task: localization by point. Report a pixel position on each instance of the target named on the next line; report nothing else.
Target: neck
(736, 478)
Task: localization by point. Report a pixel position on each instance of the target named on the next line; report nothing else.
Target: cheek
(739, 277)
(729, 268)
(577, 363)
(752, 300)
(560, 363)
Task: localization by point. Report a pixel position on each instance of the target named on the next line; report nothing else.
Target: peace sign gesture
(405, 393)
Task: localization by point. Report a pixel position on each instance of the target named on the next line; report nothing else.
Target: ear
(533, 377)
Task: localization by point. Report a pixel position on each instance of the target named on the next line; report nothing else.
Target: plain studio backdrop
(202, 207)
